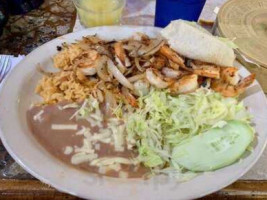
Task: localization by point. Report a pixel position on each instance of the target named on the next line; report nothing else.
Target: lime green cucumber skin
(214, 149)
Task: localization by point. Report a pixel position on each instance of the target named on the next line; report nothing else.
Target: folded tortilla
(197, 44)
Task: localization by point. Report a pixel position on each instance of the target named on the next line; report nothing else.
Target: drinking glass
(99, 12)
(168, 10)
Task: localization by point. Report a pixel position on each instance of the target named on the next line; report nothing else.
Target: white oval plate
(17, 93)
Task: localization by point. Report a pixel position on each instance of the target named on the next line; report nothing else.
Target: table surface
(15, 183)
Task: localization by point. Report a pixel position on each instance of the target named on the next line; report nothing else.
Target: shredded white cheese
(38, 116)
(68, 150)
(118, 135)
(110, 161)
(102, 170)
(116, 167)
(93, 122)
(64, 126)
(82, 157)
(136, 168)
(86, 148)
(97, 146)
(72, 105)
(104, 136)
(83, 131)
(123, 174)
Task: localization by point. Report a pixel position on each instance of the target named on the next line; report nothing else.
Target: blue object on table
(168, 10)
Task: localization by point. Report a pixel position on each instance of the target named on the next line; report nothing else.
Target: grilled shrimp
(173, 56)
(187, 84)
(206, 70)
(229, 90)
(86, 62)
(121, 55)
(158, 62)
(230, 75)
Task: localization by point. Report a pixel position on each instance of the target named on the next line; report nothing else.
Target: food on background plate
(143, 106)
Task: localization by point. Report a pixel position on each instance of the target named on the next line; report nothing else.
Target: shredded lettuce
(163, 121)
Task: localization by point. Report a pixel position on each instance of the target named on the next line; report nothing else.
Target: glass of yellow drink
(99, 12)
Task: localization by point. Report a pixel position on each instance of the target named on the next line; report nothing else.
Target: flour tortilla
(194, 43)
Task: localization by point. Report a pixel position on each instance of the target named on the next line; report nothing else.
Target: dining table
(54, 18)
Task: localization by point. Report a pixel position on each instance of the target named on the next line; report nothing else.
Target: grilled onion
(155, 80)
(118, 75)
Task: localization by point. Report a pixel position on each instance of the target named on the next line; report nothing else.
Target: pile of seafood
(115, 71)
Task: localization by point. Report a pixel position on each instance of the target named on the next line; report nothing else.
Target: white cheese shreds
(72, 105)
(114, 121)
(68, 150)
(136, 168)
(86, 148)
(38, 116)
(116, 167)
(118, 136)
(82, 157)
(97, 146)
(102, 136)
(123, 174)
(78, 111)
(97, 117)
(82, 131)
(110, 161)
(102, 170)
(64, 126)
(93, 122)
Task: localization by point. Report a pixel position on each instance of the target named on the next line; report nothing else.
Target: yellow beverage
(99, 12)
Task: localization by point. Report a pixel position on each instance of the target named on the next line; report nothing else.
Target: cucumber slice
(214, 149)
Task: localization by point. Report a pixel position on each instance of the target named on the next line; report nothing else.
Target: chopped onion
(155, 80)
(82, 157)
(136, 77)
(129, 70)
(147, 63)
(137, 64)
(118, 75)
(129, 97)
(121, 67)
(100, 96)
(88, 71)
(102, 51)
(127, 62)
(154, 48)
(101, 69)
